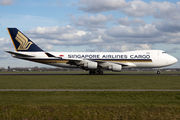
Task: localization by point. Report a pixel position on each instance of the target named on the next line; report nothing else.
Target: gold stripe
(65, 61)
(125, 61)
(12, 40)
(51, 61)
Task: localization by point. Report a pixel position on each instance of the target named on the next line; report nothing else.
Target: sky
(91, 26)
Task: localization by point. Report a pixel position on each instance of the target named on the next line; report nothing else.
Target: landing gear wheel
(95, 72)
(101, 72)
(92, 72)
(158, 72)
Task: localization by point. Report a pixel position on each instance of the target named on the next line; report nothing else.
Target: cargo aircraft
(94, 62)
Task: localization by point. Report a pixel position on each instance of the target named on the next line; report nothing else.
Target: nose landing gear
(158, 71)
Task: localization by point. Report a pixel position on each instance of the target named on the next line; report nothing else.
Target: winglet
(21, 42)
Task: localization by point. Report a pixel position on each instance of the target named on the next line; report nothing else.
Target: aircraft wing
(76, 61)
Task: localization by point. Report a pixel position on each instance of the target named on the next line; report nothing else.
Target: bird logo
(23, 41)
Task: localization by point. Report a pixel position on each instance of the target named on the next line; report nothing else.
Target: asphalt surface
(88, 74)
(91, 90)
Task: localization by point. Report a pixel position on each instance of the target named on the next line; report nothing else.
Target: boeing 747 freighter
(94, 62)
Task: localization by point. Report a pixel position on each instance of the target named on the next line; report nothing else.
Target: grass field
(89, 82)
(89, 105)
(90, 98)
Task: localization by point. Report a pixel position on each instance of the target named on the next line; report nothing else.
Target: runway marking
(92, 90)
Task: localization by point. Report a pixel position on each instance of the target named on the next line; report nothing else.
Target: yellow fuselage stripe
(65, 61)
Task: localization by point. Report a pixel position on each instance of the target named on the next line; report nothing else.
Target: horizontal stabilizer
(19, 54)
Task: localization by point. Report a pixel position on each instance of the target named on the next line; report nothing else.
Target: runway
(93, 90)
(87, 74)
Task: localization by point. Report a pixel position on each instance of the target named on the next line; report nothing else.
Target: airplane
(94, 62)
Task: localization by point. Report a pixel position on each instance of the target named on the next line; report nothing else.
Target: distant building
(9, 69)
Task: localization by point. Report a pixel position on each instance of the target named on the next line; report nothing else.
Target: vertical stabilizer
(21, 42)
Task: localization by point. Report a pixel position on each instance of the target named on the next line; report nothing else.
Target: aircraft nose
(173, 60)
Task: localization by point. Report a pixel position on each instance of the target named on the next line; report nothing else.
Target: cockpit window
(163, 52)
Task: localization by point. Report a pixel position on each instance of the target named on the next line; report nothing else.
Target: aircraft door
(158, 56)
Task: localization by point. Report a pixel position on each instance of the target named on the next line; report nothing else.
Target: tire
(158, 72)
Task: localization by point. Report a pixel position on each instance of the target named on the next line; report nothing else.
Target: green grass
(89, 82)
(89, 112)
(90, 105)
(90, 98)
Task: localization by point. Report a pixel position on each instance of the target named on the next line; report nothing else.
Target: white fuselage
(130, 59)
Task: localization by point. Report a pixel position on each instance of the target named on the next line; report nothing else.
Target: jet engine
(116, 68)
(91, 65)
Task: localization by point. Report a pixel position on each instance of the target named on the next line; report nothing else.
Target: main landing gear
(93, 72)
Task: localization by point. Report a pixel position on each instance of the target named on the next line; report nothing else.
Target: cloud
(92, 21)
(162, 10)
(66, 36)
(136, 8)
(173, 50)
(6, 2)
(147, 34)
(119, 47)
(6, 44)
(128, 47)
(65, 33)
(168, 26)
(124, 21)
(166, 10)
(146, 31)
(135, 21)
(95, 6)
(116, 38)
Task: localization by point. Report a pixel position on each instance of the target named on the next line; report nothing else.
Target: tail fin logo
(24, 44)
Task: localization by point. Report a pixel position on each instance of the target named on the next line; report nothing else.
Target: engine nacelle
(116, 68)
(91, 65)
